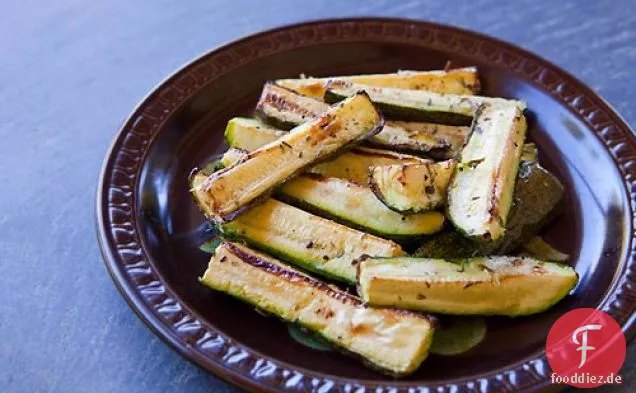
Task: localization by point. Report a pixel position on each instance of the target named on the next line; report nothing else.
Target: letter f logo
(584, 347)
(571, 343)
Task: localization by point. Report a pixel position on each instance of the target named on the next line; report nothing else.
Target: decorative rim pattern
(158, 306)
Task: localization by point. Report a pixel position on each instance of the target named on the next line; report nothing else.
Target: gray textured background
(71, 71)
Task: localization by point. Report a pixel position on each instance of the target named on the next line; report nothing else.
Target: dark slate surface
(71, 71)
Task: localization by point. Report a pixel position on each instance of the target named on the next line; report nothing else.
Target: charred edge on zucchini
(323, 309)
(352, 165)
(229, 192)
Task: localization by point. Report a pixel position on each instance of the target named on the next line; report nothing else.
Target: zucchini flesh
(250, 134)
(285, 109)
(478, 286)
(419, 105)
(308, 241)
(227, 193)
(457, 81)
(355, 205)
(480, 194)
(393, 341)
(412, 188)
(538, 198)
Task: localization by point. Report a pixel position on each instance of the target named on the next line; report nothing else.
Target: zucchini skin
(274, 121)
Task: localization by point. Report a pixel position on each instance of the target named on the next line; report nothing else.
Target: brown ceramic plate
(149, 227)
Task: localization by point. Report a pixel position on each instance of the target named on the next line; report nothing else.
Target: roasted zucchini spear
(430, 139)
(285, 109)
(419, 105)
(412, 188)
(478, 286)
(355, 205)
(393, 341)
(227, 193)
(481, 191)
(457, 81)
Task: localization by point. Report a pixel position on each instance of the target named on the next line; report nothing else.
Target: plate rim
(504, 377)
